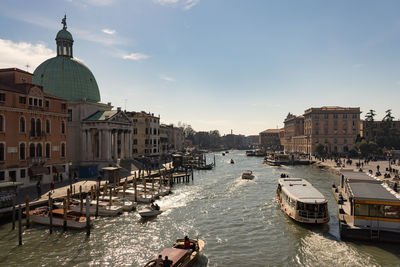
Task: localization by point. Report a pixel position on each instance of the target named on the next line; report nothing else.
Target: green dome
(68, 78)
(64, 34)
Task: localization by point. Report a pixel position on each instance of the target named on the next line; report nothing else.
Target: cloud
(135, 56)
(184, 4)
(21, 54)
(166, 78)
(85, 3)
(108, 31)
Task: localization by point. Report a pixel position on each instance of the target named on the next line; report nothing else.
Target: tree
(370, 115)
(388, 117)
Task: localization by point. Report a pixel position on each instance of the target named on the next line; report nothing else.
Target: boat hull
(45, 220)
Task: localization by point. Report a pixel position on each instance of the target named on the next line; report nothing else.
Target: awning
(58, 168)
(38, 170)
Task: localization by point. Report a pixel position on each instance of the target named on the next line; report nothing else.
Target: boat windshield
(312, 210)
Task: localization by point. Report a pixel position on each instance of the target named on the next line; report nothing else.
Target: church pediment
(120, 117)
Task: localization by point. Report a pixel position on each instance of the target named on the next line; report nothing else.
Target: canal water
(239, 221)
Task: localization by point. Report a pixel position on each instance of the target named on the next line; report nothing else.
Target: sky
(235, 65)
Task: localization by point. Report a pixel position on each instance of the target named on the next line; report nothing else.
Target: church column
(100, 144)
(90, 148)
(82, 155)
(122, 144)
(130, 144)
(116, 145)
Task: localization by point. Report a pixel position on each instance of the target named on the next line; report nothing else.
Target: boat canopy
(301, 190)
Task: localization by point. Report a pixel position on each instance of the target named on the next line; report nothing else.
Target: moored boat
(232, 162)
(247, 175)
(179, 256)
(127, 205)
(42, 216)
(301, 201)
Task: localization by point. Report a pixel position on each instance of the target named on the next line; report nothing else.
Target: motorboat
(247, 175)
(223, 154)
(42, 216)
(149, 212)
(179, 256)
(141, 197)
(301, 201)
(250, 153)
(232, 162)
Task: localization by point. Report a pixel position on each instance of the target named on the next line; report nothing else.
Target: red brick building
(33, 131)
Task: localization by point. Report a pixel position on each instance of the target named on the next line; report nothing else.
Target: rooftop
(302, 190)
(372, 191)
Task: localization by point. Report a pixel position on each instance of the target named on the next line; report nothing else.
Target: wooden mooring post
(19, 225)
(27, 211)
(87, 216)
(97, 201)
(50, 213)
(81, 199)
(135, 186)
(65, 215)
(13, 215)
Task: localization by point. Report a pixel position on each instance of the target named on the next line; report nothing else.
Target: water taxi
(277, 159)
(301, 201)
(179, 256)
(250, 153)
(149, 212)
(247, 175)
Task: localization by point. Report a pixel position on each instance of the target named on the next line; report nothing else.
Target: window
(63, 150)
(40, 103)
(147, 131)
(392, 211)
(35, 101)
(63, 127)
(22, 125)
(48, 150)
(69, 114)
(47, 126)
(2, 123)
(376, 211)
(22, 151)
(22, 173)
(32, 131)
(134, 130)
(326, 116)
(63, 106)
(2, 175)
(22, 100)
(2, 152)
(135, 141)
(2, 97)
(361, 210)
(335, 116)
(47, 104)
(38, 127)
(30, 101)
(154, 131)
(344, 116)
(32, 150)
(39, 150)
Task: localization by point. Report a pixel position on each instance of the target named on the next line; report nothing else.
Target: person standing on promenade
(52, 186)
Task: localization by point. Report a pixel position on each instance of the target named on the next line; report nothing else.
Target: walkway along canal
(239, 220)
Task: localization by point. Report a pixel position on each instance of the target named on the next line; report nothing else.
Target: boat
(277, 159)
(149, 212)
(301, 201)
(141, 197)
(126, 204)
(232, 162)
(250, 153)
(247, 175)
(42, 216)
(179, 256)
(223, 154)
(205, 167)
(259, 153)
(104, 209)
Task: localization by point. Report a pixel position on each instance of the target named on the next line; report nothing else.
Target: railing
(312, 215)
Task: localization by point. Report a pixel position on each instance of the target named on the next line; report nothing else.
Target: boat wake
(317, 248)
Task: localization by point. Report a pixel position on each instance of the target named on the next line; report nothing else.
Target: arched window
(47, 126)
(38, 127)
(22, 125)
(39, 150)
(2, 123)
(32, 150)
(32, 130)
(48, 150)
(63, 150)
(22, 151)
(2, 152)
(63, 127)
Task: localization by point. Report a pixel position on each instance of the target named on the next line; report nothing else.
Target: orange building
(33, 131)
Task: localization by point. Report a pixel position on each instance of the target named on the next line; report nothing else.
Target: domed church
(97, 135)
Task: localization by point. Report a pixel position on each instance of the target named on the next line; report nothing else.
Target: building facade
(145, 134)
(336, 128)
(270, 139)
(33, 131)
